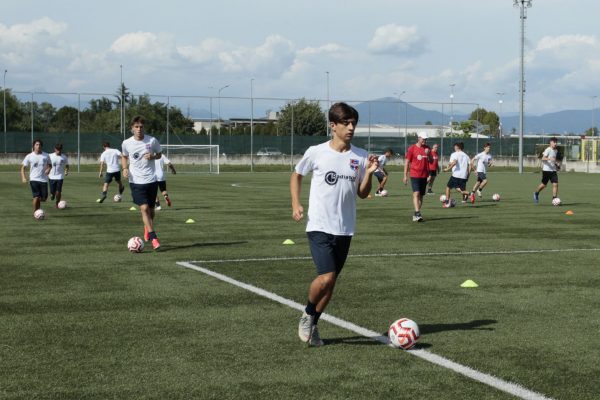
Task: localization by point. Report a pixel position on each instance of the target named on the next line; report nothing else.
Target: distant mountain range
(387, 111)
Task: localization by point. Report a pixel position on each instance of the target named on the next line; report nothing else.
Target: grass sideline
(84, 319)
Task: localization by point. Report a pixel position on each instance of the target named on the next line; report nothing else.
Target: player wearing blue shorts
(39, 168)
(481, 162)
(460, 164)
(141, 150)
(550, 167)
(112, 159)
(381, 173)
(60, 169)
(340, 172)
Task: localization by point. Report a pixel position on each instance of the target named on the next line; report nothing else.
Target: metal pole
(4, 101)
(500, 134)
(441, 155)
(328, 105)
(78, 132)
(31, 117)
(252, 125)
(210, 132)
(122, 105)
(369, 137)
(219, 121)
(168, 122)
(523, 5)
(452, 107)
(399, 104)
(405, 126)
(593, 117)
(292, 133)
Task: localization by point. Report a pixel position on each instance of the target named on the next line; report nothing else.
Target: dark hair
(106, 144)
(460, 145)
(137, 119)
(389, 149)
(339, 112)
(37, 141)
(553, 139)
(58, 146)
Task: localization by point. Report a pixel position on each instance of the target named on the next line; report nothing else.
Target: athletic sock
(311, 309)
(316, 319)
(121, 189)
(104, 194)
(157, 203)
(152, 235)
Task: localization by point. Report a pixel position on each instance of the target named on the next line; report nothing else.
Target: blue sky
(370, 48)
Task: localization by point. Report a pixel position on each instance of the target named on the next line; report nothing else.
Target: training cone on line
(569, 212)
(190, 221)
(132, 208)
(288, 241)
(469, 284)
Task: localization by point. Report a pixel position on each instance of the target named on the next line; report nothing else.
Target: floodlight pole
(452, 107)
(399, 94)
(500, 120)
(122, 105)
(4, 102)
(523, 6)
(328, 105)
(252, 125)
(224, 87)
(593, 116)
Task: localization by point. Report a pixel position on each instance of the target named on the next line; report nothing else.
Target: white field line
(508, 387)
(416, 254)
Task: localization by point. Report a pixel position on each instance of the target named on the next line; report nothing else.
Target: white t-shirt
(141, 171)
(37, 163)
(333, 188)
(112, 159)
(58, 166)
(548, 165)
(461, 169)
(160, 167)
(483, 160)
(382, 161)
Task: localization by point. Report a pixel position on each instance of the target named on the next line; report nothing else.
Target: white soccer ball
(443, 198)
(496, 197)
(384, 193)
(135, 244)
(556, 201)
(117, 198)
(39, 214)
(404, 333)
(62, 204)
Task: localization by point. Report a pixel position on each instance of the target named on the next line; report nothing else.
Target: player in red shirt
(434, 168)
(418, 157)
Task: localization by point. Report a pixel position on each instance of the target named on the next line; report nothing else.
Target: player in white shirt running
(39, 168)
(460, 164)
(60, 169)
(162, 181)
(483, 160)
(340, 172)
(381, 174)
(550, 167)
(112, 159)
(141, 150)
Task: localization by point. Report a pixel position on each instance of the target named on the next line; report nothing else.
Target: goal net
(193, 158)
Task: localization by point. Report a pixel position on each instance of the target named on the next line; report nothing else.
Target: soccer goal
(193, 158)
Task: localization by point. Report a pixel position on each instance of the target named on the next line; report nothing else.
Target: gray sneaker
(315, 338)
(305, 327)
(479, 193)
(417, 218)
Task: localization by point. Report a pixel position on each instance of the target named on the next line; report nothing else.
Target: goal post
(193, 158)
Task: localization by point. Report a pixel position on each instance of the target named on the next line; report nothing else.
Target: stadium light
(523, 6)
(224, 87)
(452, 107)
(500, 116)
(593, 116)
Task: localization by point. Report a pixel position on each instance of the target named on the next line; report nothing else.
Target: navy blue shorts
(432, 172)
(162, 186)
(329, 252)
(551, 176)
(144, 193)
(39, 189)
(108, 177)
(380, 175)
(419, 185)
(56, 185)
(457, 183)
(481, 176)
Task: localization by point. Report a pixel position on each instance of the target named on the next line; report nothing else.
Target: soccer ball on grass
(443, 198)
(404, 333)
(384, 193)
(556, 201)
(62, 204)
(496, 197)
(117, 198)
(39, 214)
(135, 244)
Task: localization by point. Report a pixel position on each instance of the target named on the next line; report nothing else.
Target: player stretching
(162, 181)
(484, 160)
(111, 158)
(381, 174)
(60, 169)
(459, 164)
(39, 167)
(341, 171)
(141, 150)
(434, 168)
(417, 160)
(550, 167)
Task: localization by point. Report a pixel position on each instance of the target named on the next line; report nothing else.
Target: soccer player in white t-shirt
(340, 172)
(483, 160)
(112, 159)
(141, 150)
(381, 174)
(460, 164)
(39, 168)
(60, 169)
(550, 167)
(162, 181)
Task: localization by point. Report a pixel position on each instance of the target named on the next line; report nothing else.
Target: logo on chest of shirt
(354, 164)
(136, 155)
(332, 177)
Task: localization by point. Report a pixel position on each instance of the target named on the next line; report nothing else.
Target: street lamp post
(4, 102)
(500, 101)
(452, 107)
(252, 125)
(328, 105)
(523, 6)
(224, 87)
(122, 105)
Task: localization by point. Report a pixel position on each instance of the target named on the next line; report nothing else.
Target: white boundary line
(416, 254)
(497, 383)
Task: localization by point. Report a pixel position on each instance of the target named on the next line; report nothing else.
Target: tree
(489, 118)
(428, 123)
(65, 120)
(308, 118)
(591, 131)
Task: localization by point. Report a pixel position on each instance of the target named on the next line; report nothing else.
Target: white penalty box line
(411, 254)
(497, 383)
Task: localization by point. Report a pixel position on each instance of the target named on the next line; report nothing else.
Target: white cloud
(23, 43)
(397, 40)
